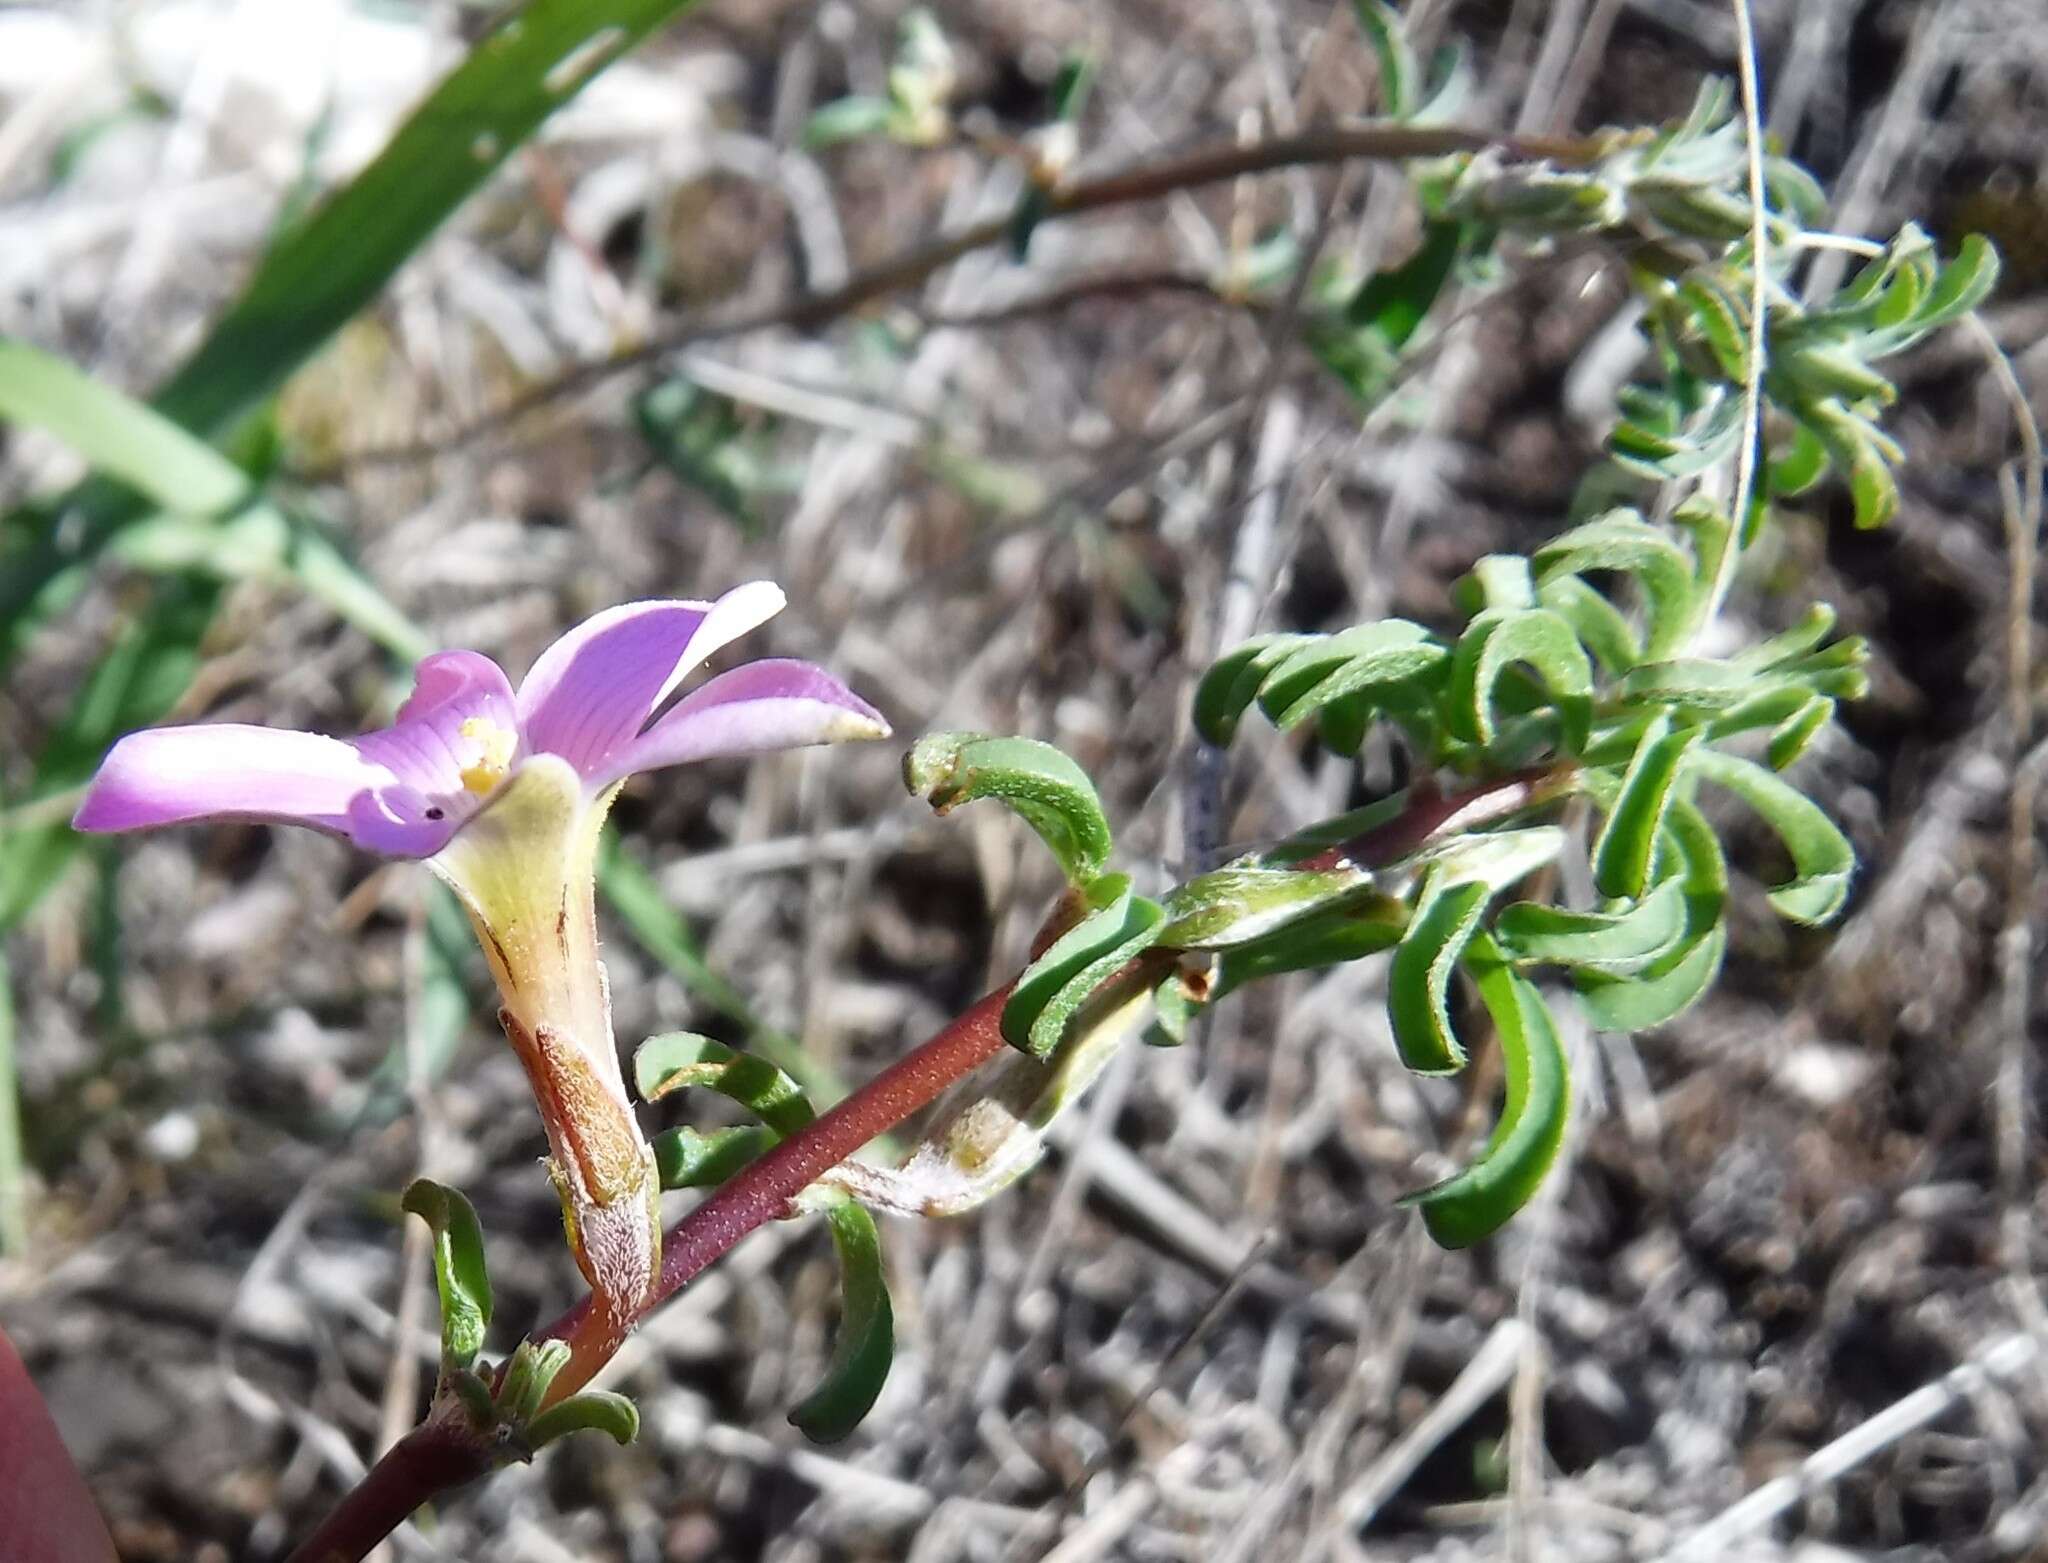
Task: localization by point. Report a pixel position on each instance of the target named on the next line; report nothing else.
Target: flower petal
(227, 771)
(455, 737)
(755, 709)
(592, 691)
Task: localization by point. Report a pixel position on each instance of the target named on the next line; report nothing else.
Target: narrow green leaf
(1493, 858)
(1062, 982)
(1502, 581)
(1804, 463)
(1623, 541)
(847, 119)
(1419, 977)
(866, 1342)
(1393, 303)
(1795, 735)
(1496, 640)
(1038, 783)
(687, 1158)
(1822, 859)
(325, 268)
(597, 1410)
(460, 1274)
(524, 1384)
(1675, 980)
(1797, 641)
(1463, 1209)
(1614, 941)
(1243, 903)
(1230, 686)
(1964, 283)
(680, 1059)
(1400, 79)
(1721, 320)
(1353, 661)
(1687, 683)
(1327, 939)
(1600, 626)
(1820, 370)
(1627, 845)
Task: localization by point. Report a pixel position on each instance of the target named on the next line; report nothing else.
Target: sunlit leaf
(687, 1158)
(1419, 977)
(1243, 903)
(677, 1060)
(1621, 541)
(1062, 981)
(1822, 859)
(1673, 982)
(1232, 683)
(591, 1410)
(866, 1342)
(1537, 1102)
(1626, 847)
(1041, 785)
(1615, 941)
(460, 1274)
(1494, 642)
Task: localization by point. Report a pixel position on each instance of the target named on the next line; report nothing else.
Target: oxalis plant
(1571, 728)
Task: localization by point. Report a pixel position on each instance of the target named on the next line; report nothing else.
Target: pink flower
(503, 795)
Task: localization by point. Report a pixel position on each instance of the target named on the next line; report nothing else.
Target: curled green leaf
(1419, 978)
(1472, 1205)
(1792, 737)
(1822, 859)
(1351, 662)
(1056, 986)
(1042, 786)
(1400, 78)
(1537, 638)
(599, 1410)
(460, 1275)
(1671, 983)
(529, 1372)
(680, 1059)
(1624, 542)
(686, 1158)
(1620, 942)
(1232, 684)
(866, 1342)
(1627, 845)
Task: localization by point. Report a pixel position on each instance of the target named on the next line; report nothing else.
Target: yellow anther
(495, 745)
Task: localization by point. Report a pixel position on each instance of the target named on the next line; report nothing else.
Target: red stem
(441, 1454)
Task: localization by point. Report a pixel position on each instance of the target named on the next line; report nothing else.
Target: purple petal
(592, 691)
(460, 702)
(755, 709)
(226, 771)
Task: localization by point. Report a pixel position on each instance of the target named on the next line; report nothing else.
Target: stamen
(495, 746)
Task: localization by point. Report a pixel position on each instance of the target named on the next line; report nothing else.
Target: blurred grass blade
(133, 684)
(13, 1161)
(866, 1343)
(325, 268)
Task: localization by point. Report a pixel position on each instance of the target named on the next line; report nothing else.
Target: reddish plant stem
(432, 1458)
(441, 1454)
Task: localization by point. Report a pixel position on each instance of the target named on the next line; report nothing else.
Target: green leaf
(687, 1158)
(866, 1342)
(1419, 978)
(1400, 79)
(1674, 981)
(1232, 683)
(1721, 320)
(1613, 941)
(1622, 541)
(1820, 370)
(531, 1368)
(1797, 641)
(1393, 303)
(1327, 939)
(1964, 284)
(599, 1410)
(1038, 783)
(1802, 465)
(1496, 640)
(1353, 661)
(1627, 845)
(1055, 987)
(1600, 625)
(1687, 683)
(1822, 859)
(1463, 1209)
(1502, 581)
(1793, 736)
(460, 1274)
(1494, 858)
(1858, 448)
(1240, 904)
(679, 1059)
